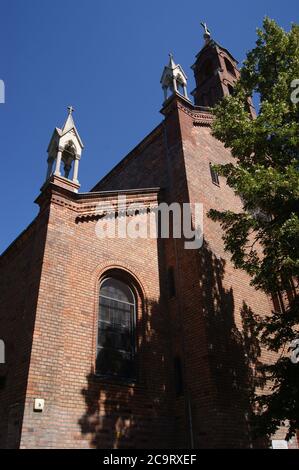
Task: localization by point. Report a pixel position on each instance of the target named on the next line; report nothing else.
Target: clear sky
(106, 59)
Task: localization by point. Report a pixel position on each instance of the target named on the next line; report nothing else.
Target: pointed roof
(172, 70)
(171, 64)
(70, 125)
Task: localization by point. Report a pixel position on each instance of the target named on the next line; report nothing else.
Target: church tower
(215, 71)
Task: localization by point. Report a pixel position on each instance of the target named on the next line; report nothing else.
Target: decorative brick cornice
(200, 118)
(93, 206)
(111, 209)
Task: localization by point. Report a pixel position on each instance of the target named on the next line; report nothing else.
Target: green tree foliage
(264, 238)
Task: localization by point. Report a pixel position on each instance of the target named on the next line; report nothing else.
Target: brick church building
(120, 342)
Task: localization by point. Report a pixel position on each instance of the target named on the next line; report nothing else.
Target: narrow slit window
(214, 175)
(171, 283)
(229, 67)
(178, 377)
(230, 89)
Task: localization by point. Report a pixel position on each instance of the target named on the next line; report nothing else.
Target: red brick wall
(82, 410)
(221, 304)
(211, 316)
(20, 271)
(144, 167)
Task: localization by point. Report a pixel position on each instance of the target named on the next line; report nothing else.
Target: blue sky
(105, 58)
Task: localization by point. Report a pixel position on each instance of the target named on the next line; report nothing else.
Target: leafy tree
(264, 239)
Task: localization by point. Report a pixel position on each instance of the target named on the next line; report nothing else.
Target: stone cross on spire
(207, 32)
(71, 109)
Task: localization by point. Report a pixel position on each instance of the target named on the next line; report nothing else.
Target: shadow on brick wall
(234, 355)
(133, 415)
(141, 415)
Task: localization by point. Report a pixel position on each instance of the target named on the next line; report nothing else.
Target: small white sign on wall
(279, 444)
(2, 352)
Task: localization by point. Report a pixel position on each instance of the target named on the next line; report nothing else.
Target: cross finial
(207, 33)
(71, 109)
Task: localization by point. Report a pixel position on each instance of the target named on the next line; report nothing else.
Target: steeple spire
(174, 79)
(171, 61)
(65, 148)
(69, 123)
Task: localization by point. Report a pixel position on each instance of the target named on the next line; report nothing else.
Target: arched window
(229, 67)
(230, 89)
(68, 156)
(116, 345)
(208, 69)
